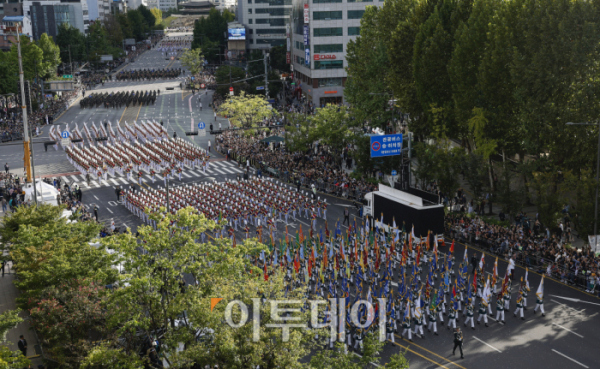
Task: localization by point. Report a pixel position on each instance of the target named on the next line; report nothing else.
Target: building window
(329, 82)
(250, 31)
(353, 31)
(334, 64)
(250, 21)
(273, 11)
(272, 21)
(270, 31)
(327, 15)
(331, 48)
(355, 14)
(250, 11)
(249, 1)
(324, 32)
(251, 41)
(326, 1)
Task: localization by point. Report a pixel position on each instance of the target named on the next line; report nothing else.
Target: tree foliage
(192, 60)
(10, 359)
(246, 110)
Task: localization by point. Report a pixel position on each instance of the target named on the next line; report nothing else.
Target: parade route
(565, 338)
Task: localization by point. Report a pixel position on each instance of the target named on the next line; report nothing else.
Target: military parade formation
(119, 99)
(148, 74)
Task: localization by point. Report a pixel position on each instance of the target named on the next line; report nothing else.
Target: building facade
(320, 31)
(265, 21)
(9, 26)
(98, 9)
(46, 16)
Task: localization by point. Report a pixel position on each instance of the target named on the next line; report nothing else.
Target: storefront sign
(307, 56)
(330, 92)
(288, 58)
(324, 57)
(306, 14)
(306, 32)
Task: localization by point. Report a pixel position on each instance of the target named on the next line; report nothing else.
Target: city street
(565, 338)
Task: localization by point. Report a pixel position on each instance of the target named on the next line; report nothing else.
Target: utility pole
(70, 64)
(266, 77)
(26, 143)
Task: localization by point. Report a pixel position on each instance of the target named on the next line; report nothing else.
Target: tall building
(265, 22)
(47, 15)
(8, 28)
(165, 5)
(98, 9)
(319, 34)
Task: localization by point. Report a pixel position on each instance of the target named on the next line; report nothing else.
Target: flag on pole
(540, 290)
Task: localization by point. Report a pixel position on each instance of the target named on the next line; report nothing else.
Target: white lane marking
(113, 181)
(218, 171)
(568, 330)
(573, 360)
(186, 175)
(567, 306)
(228, 171)
(487, 344)
(74, 178)
(109, 210)
(96, 197)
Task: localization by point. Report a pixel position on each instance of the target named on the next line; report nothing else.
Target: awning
(273, 139)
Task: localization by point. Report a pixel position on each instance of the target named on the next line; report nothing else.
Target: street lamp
(597, 171)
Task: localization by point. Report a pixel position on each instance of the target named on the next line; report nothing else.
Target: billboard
(237, 33)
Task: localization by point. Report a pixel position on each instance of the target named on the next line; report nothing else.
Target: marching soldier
(458, 342)
(520, 305)
(500, 309)
(470, 314)
(432, 319)
(483, 304)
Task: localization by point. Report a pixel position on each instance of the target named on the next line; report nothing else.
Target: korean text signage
(307, 56)
(288, 58)
(306, 14)
(306, 35)
(386, 145)
(324, 57)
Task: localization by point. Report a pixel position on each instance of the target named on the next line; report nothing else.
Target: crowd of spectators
(11, 119)
(531, 244)
(319, 166)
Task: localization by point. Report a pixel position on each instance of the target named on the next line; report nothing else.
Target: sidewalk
(8, 295)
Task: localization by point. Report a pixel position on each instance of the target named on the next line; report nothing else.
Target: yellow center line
(122, 115)
(138, 113)
(433, 353)
(424, 357)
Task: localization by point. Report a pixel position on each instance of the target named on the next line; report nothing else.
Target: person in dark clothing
(96, 212)
(22, 345)
(458, 342)
(118, 192)
(346, 216)
(474, 261)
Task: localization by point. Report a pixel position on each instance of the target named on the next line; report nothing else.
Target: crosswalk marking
(186, 175)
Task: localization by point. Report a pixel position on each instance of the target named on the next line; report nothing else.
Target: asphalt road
(565, 338)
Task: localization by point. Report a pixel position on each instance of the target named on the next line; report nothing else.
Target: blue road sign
(192, 78)
(201, 125)
(386, 145)
(64, 134)
(258, 88)
(394, 173)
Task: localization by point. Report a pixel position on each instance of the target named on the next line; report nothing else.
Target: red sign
(230, 89)
(330, 92)
(306, 14)
(376, 146)
(323, 57)
(202, 85)
(288, 58)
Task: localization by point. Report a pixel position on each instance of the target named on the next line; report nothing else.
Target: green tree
(32, 57)
(246, 110)
(301, 133)
(70, 39)
(153, 299)
(337, 359)
(51, 56)
(114, 31)
(69, 319)
(278, 59)
(139, 24)
(192, 60)
(10, 359)
(149, 17)
(332, 126)
(227, 76)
